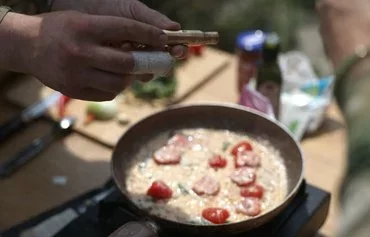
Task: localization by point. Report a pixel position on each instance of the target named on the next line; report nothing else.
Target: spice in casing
(191, 37)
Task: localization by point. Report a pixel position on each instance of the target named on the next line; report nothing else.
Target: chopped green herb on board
(161, 87)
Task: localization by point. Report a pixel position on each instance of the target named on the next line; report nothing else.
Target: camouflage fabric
(29, 7)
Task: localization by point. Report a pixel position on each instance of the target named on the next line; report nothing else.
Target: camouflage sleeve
(353, 97)
(29, 7)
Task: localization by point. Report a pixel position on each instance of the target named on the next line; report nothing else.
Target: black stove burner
(111, 216)
(303, 217)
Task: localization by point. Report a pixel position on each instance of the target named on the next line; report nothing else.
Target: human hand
(132, 9)
(70, 53)
(344, 25)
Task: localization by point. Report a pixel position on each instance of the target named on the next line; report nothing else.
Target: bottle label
(271, 90)
(246, 71)
(255, 100)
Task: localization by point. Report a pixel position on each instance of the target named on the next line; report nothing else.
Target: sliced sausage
(253, 190)
(167, 155)
(250, 207)
(243, 176)
(179, 140)
(247, 158)
(241, 146)
(206, 185)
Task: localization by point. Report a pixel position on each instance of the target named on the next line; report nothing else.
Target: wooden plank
(192, 75)
(199, 70)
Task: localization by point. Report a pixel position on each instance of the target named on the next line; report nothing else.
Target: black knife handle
(10, 127)
(24, 156)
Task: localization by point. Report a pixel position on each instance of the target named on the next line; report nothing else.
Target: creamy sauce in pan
(185, 205)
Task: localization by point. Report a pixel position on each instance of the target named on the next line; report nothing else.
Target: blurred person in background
(345, 30)
(73, 46)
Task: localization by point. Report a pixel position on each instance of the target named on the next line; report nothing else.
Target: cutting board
(191, 75)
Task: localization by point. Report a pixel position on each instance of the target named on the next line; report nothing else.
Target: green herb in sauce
(182, 188)
(225, 145)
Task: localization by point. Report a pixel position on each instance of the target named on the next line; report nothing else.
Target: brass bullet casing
(191, 37)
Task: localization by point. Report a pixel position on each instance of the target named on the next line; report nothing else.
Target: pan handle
(136, 229)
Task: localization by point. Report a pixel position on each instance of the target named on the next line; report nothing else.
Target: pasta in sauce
(205, 176)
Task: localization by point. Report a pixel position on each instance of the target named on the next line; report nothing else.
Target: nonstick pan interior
(152, 132)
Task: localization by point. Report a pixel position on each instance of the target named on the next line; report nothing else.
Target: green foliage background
(230, 17)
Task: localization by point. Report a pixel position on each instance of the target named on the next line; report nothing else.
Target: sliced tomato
(217, 161)
(167, 155)
(196, 49)
(243, 176)
(254, 190)
(242, 146)
(247, 158)
(250, 207)
(63, 101)
(216, 215)
(159, 190)
(206, 185)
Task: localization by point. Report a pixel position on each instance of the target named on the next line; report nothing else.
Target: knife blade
(32, 112)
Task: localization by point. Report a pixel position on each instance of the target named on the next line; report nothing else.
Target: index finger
(119, 29)
(141, 12)
(134, 62)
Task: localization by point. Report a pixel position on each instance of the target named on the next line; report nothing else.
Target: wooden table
(86, 163)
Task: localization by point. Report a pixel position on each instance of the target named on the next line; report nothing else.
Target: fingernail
(175, 23)
(168, 24)
(174, 26)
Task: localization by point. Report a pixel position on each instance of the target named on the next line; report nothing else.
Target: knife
(28, 153)
(32, 112)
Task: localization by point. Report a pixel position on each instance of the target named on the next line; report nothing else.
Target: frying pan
(144, 137)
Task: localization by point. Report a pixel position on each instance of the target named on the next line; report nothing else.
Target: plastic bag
(255, 100)
(296, 70)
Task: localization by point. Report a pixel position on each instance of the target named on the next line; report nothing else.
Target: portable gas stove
(99, 212)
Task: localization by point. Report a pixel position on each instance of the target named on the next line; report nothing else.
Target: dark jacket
(30, 7)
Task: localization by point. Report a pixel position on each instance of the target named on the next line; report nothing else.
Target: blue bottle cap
(251, 41)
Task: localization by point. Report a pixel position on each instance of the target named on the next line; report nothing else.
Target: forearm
(17, 34)
(355, 106)
(353, 97)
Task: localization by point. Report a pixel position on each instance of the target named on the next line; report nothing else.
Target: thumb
(140, 12)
